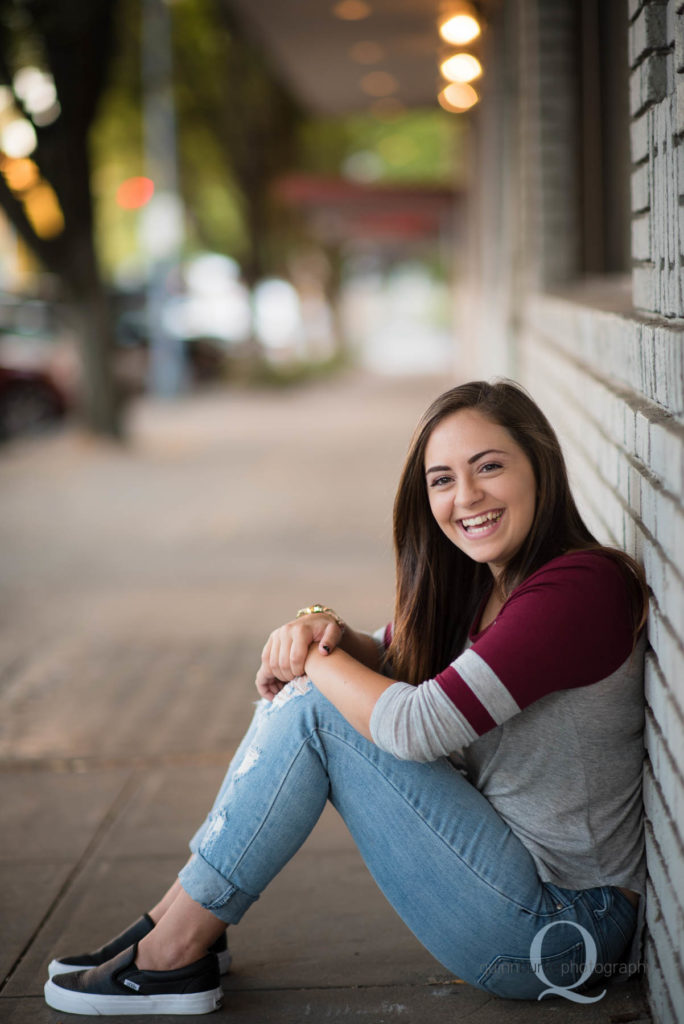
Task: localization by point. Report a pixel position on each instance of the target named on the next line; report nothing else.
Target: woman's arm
(362, 647)
(350, 686)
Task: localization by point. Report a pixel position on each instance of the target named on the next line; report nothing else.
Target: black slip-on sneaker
(119, 988)
(133, 934)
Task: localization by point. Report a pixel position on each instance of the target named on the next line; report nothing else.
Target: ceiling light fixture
(457, 97)
(462, 67)
(460, 24)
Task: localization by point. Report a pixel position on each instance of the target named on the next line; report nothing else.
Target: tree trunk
(91, 317)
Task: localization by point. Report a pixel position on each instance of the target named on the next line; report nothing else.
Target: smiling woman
(484, 749)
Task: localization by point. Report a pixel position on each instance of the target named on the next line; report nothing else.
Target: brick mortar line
(582, 450)
(671, 764)
(643, 317)
(660, 918)
(655, 782)
(660, 415)
(637, 400)
(652, 658)
(674, 637)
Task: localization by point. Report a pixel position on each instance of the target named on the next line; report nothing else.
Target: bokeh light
(36, 89)
(134, 193)
(6, 98)
(457, 97)
(352, 10)
(379, 83)
(460, 29)
(43, 211)
(462, 67)
(18, 138)
(277, 313)
(20, 174)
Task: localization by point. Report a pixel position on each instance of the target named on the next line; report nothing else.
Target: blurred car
(38, 366)
(30, 401)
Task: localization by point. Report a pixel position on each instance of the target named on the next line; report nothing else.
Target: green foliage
(421, 146)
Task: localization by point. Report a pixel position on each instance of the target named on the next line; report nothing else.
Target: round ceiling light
(460, 29)
(462, 67)
(458, 97)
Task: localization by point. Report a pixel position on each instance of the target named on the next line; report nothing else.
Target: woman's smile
(481, 525)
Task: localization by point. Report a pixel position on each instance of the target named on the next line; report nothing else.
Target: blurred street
(139, 584)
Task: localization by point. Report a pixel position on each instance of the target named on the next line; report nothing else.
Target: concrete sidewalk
(138, 586)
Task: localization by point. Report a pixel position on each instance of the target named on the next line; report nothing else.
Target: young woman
(485, 750)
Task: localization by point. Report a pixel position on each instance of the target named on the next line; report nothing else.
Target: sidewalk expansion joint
(80, 765)
(128, 787)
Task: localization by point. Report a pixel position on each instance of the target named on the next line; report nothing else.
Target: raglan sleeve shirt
(567, 625)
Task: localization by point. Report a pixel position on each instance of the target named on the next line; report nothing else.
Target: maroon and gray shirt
(544, 711)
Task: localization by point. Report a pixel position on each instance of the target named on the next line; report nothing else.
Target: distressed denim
(449, 865)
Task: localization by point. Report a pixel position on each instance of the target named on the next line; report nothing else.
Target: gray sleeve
(418, 723)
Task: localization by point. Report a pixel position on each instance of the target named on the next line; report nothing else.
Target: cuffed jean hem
(206, 886)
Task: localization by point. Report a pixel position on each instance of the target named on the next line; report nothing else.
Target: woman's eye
(439, 480)
(489, 466)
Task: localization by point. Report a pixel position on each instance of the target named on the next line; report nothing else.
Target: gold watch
(317, 609)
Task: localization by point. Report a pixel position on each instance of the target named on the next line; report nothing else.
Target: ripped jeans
(449, 865)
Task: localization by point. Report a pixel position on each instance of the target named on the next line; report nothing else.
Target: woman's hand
(285, 651)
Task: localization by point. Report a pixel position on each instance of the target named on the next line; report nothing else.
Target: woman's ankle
(164, 904)
(167, 956)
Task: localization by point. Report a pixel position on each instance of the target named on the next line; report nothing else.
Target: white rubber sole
(56, 967)
(105, 1006)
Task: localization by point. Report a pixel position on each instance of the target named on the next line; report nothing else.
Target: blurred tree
(71, 40)
(226, 92)
(236, 131)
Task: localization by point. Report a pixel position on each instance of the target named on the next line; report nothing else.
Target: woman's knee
(299, 699)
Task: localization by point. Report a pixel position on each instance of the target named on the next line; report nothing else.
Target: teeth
(479, 520)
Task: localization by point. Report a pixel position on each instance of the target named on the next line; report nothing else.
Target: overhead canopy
(335, 65)
(340, 210)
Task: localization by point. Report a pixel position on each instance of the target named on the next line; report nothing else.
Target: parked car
(29, 401)
(38, 366)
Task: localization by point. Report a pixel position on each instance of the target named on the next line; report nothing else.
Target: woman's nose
(468, 493)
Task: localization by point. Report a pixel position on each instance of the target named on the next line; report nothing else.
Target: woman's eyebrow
(473, 458)
(487, 451)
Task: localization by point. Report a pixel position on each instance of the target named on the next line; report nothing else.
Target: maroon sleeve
(567, 625)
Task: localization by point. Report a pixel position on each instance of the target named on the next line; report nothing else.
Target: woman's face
(481, 487)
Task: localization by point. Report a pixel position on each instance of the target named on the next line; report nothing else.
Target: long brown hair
(438, 587)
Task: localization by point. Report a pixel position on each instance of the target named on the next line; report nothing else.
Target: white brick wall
(626, 457)
(657, 35)
(612, 383)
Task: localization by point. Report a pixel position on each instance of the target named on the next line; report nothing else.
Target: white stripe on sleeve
(486, 686)
(419, 723)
